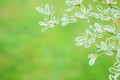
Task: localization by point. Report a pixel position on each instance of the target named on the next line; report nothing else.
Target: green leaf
(92, 61)
(115, 47)
(98, 27)
(79, 15)
(80, 39)
(79, 44)
(47, 7)
(83, 9)
(118, 56)
(100, 9)
(98, 16)
(99, 35)
(41, 10)
(89, 32)
(109, 28)
(111, 77)
(92, 29)
(69, 3)
(105, 18)
(107, 41)
(118, 36)
(104, 46)
(117, 64)
(109, 53)
(87, 44)
(98, 49)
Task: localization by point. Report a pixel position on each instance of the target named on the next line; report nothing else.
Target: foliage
(110, 13)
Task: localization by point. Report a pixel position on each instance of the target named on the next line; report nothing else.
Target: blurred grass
(28, 54)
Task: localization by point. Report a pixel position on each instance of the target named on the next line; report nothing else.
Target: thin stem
(100, 54)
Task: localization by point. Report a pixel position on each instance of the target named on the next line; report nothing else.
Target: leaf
(79, 44)
(105, 18)
(117, 65)
(98, 16)
(111, 77)
(89, 32)
(111, 2)
(44, 29)
(113, 70)
(72, 19)
(118, 56)
(115, 47)
(47, 7)
(109, 28)
(64, 23)
(99, 28)
(79, 15)
(51, 24)
(90, 7)
(54, 19)
(92, 61)
(107, 41)
(83, 9)
(109, 53)
(100, 9)
(92, 14)
(98, 49)
(69, 3)
(99, 35)
(92, 29)
(41, 10)
(118, 36)
(42, 23)
(87, 44)
(65, 20)
(47, 10)
(69, 9)
(92, 40)
(80, 39)
(104, 46)
(116, 8)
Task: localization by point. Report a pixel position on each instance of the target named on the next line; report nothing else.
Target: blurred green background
(28, 54)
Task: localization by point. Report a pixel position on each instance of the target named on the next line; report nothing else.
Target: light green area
(28, 54)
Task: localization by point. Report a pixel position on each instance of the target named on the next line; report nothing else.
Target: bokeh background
(28, 54)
